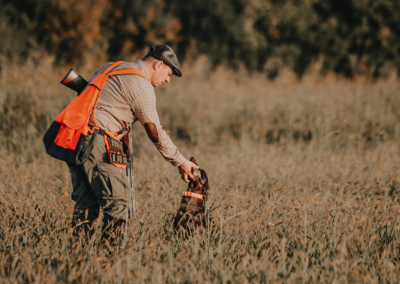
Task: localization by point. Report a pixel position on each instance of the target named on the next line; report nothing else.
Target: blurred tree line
(346, 36)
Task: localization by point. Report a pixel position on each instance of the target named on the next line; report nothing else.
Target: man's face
(162, 74)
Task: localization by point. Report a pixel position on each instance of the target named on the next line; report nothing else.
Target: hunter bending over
(98, 167)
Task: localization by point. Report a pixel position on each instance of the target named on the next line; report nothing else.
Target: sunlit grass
(332, 195)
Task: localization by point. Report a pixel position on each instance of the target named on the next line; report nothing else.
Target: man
(124, 99)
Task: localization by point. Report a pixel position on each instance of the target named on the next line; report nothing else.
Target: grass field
(317, 157)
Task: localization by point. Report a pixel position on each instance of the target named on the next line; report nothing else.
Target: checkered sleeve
(142, 99)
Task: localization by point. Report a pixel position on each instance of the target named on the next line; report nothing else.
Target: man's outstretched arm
(186, 168)
(143, 103)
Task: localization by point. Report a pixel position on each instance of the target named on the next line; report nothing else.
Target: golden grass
(328, 179)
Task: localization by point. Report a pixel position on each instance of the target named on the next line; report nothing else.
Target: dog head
(200, 184)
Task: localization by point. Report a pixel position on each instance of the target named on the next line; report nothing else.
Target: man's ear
(158, 65)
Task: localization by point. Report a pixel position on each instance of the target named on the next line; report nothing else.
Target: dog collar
(192, 194)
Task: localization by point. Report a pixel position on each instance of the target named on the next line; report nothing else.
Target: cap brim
(176, 72)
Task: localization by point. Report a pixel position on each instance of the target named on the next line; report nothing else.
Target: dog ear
(193, 160)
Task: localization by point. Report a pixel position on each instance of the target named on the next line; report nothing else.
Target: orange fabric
(108, 153)
(192, 194)
(74, 118)
(99, 81)
(72, 126)
(112, 66)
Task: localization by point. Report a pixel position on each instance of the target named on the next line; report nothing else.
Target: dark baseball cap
(167, 55)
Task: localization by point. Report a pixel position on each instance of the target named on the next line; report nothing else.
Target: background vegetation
(348, 36)
(317, 156)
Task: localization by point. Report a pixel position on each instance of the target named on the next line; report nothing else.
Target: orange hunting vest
(67, 136)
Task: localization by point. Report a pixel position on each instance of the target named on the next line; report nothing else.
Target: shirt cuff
(179, 160)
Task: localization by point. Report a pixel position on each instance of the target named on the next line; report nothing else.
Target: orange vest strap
(192, 194)
(127, 72)
(112, 66)
(100, 79)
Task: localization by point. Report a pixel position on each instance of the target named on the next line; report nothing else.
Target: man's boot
(82, 226)
(113, 230)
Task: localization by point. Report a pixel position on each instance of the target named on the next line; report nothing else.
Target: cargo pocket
(113, 181)
(111, 190)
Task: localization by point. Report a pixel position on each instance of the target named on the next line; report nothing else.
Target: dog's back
(191, 213)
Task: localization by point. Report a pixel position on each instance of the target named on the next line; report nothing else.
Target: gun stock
(74, 81)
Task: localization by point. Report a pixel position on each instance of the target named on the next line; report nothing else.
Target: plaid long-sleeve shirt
(127, 98)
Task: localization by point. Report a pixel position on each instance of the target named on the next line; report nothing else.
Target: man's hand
(186, 170)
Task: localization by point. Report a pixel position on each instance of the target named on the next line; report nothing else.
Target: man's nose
(167, 80)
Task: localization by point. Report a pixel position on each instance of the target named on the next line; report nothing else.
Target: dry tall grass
(318, 157)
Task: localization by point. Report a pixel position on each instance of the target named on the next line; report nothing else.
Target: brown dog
(191, 213)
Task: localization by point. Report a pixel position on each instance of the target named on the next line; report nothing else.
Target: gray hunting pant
(97, 183)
